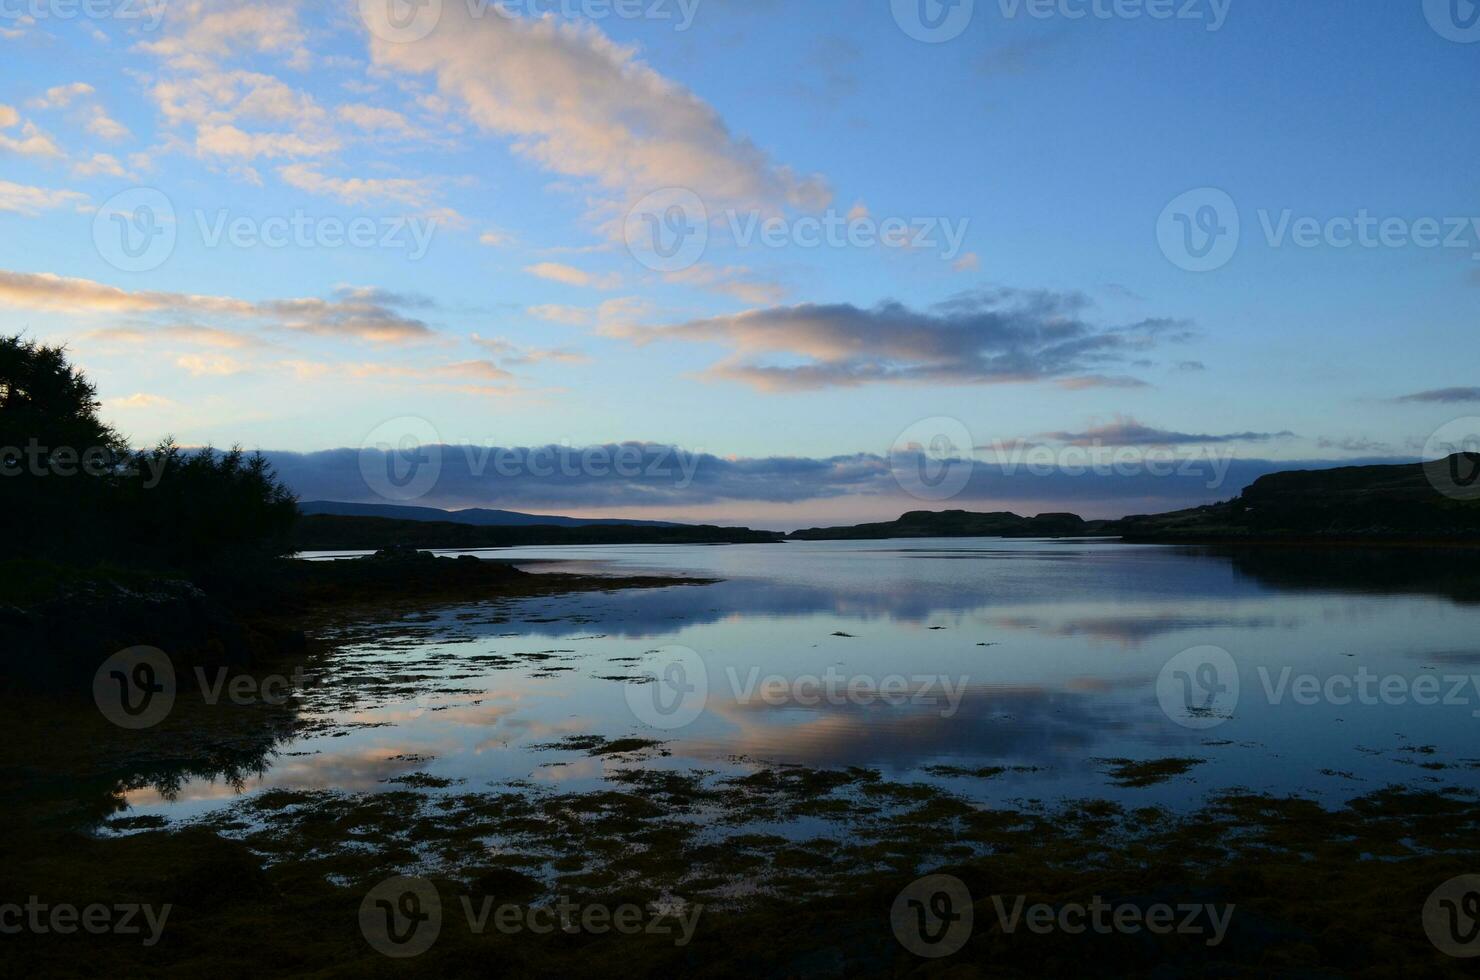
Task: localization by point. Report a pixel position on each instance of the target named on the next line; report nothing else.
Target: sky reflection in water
(1056, 648)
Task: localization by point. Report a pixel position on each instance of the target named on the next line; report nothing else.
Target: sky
(833, 260)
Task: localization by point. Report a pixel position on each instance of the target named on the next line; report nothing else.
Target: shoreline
(1306, 886)
(278, 877)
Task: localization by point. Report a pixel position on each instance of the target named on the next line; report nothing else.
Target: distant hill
(333, 532)
(1370, 503)
(477, 516)
(1362, 502)
(958, 524)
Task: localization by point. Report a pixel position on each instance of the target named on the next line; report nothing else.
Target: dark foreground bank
(664, 871)
(309, 885)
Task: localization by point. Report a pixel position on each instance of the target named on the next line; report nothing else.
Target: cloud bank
(991, 337)
(658, 480)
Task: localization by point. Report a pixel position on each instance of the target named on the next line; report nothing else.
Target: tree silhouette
(72, 491)
(50, 433)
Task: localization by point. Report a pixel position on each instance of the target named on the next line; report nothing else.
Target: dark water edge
(274, 885)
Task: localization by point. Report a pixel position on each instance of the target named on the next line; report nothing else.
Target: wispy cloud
(361, 313)
(666, 477)
(575, 316)
(173, 333)
(61, 96)
(515, 355)
(414, 192)
(104, 126)
(140, 400)
(1129, 432)
(584, 106)
(1446, 396)
(215, 366)
(736, 281)
(571, 276)
(101, 163)
(23, 199)
(32, 142)
(977, 338)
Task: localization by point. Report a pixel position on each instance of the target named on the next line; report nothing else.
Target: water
(1039, 658)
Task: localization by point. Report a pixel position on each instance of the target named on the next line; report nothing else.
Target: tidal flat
(491, 748)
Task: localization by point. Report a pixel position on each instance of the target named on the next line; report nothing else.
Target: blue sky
(493, 159)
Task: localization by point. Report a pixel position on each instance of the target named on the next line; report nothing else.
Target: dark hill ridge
(1368, 503)
(477, 516)
(1359, 502)
(958, 524)
(327, 532)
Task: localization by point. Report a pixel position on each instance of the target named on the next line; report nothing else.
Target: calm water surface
(1054, 650)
